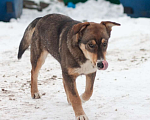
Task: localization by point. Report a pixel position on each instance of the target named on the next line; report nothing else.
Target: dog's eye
(91, 45)
(104, 44)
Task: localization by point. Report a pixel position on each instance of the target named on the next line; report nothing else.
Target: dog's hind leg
(89, 87)
(37, 60)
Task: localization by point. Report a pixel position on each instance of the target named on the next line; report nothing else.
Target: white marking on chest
(86, 68)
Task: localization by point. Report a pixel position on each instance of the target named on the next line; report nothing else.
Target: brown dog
(80, 48)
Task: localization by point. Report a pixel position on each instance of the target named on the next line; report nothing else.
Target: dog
(80, 48)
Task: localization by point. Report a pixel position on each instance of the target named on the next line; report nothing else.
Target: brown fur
(76, 46)
(34, 74)
(89, 55)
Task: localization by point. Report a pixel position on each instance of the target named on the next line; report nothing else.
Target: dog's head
(92, 39)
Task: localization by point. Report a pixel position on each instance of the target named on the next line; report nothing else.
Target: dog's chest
(86, 68)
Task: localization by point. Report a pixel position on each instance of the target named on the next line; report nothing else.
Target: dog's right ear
(78, 28)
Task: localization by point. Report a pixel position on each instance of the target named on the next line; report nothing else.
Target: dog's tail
(26, 40)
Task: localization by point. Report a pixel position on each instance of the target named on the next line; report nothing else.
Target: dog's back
(53, 29)
(47, 31)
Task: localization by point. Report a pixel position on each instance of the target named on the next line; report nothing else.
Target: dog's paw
(36, 96)
(82, 117)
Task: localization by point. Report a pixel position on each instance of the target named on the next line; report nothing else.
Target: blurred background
(96, 8)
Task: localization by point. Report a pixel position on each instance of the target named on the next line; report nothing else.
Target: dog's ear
(109, 25)
(78, 28)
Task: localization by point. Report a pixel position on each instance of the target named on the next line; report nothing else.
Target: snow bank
(90, 10)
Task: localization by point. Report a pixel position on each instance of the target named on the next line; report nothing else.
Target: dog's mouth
(102, 65)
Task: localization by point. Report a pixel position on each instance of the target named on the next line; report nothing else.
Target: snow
(120, 93)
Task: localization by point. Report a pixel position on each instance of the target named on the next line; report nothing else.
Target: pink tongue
(105, 63)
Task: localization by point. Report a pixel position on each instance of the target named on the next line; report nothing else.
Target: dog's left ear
(109, 25)
(78, 28)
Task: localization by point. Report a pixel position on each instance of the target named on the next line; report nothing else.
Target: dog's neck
(76, 51)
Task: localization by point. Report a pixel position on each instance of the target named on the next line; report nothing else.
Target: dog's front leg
(72, 93)
(66, 92)
(89, 87)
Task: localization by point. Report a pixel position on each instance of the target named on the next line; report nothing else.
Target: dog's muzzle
(102, 65)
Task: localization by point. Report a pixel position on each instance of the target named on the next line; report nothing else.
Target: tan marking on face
(93, 42)
(91, 56)
(104, 55)
(103, 40)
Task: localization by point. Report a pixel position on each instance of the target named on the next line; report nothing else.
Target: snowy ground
(122, 92)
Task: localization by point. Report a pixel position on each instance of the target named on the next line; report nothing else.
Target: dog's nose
(100, 64)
